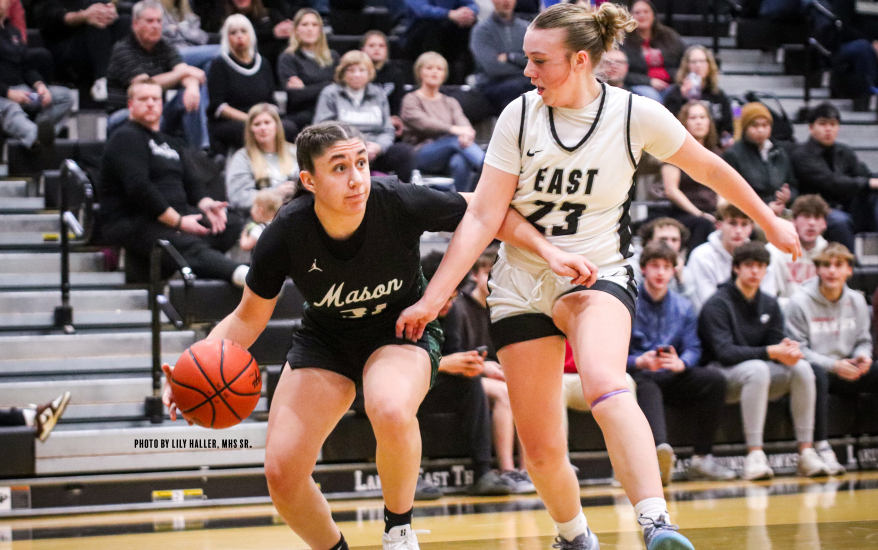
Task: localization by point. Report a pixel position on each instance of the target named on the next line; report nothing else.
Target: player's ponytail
(592, 31)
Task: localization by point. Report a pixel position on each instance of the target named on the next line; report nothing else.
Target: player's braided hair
(593, 31)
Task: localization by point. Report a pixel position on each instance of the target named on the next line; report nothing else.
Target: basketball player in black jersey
(351, 246)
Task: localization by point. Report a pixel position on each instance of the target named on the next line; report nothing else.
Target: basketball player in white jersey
(564, 156)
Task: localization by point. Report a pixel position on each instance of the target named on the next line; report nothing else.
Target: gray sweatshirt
(241, 182)
(829, 331)
(370, 116)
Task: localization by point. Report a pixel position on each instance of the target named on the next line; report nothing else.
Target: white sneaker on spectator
(756, 466)
(518, 481)
(402, 537)
(810, 464)
(99, 90)
(706, 467)
(666, 459)
(827, 455)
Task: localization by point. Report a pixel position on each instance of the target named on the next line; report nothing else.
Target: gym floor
(783, 514)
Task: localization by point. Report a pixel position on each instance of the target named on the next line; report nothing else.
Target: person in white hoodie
(785, 275)
(710, 264)
(831, 323)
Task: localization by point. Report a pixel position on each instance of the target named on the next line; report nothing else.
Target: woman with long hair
(564, 156)
(694, 204)
(435, 124)
(306, 67)
(266, 160)
(237, 81)
(352, 247)
(698, 79)
(182, 28)
(353, 99)
(653, 51)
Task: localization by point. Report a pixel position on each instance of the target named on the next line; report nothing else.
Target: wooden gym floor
(784, 514)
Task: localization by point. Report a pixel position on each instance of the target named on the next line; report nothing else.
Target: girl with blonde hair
(698, 79)
(564, 156)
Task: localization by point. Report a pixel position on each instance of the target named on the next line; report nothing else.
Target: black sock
(342, 545)
(392, 520)
(480, 469)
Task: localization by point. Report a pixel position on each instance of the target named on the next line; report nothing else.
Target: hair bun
(613, 22)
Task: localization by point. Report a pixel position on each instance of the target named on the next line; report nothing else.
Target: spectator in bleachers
(764, 165)
(181, 27)
(306, 67)
(697, 79)
(388, 74)
(266, 203)
(267, 160)
(16, 18)
(497, 45)
(270, 22)
(81, 34)
(40, 417)
(148, 193)
(831, 323)
(710, 264)
(144, 53)
(663, 359)
(238, 80)
(674, 234)
(435, 124)
(470, 312)
(832, 170)
(614, 65)
(354, 100)
(785, 275)
(458, 388)
(442, 26)
(742, 331)
(24, 94)
(654, 51)
(694, 204)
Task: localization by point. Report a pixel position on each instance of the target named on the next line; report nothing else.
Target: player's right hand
(782, 234)
(414, 319)
(168, 395)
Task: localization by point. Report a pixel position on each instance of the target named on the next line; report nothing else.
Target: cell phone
(482, 350)
(664, 349)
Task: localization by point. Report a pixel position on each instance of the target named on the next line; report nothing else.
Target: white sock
(654, 508)
(240, 275)
(30, 415)
(573, 528)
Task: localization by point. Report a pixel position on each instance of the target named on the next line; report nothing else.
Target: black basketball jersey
(376, 281)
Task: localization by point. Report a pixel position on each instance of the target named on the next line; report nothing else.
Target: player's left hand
(782, 234)
(414, 319)
(168, 395)
(576, 266)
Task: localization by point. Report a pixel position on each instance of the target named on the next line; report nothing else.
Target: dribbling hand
(565, 264)
(168, 396)
(782, 234)
(414, 319)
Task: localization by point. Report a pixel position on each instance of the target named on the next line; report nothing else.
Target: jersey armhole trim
(628, 130)
(521, 125)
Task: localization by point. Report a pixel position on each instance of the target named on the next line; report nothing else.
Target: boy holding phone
(663, 359)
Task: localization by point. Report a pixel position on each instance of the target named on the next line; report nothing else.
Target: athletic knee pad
(607, 396)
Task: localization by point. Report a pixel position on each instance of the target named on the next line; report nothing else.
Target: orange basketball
(216, 383)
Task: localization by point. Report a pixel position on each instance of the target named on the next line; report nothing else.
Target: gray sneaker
(588, 541)
(426, 490)
(706, 467)
(490, 484)
(519, 481)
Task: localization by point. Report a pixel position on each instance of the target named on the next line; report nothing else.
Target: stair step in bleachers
(81, 300)
(29, 223)
(22, 205)
(738, 84)
(870, 158)
(14, 188)
(19, 281)
(50, 262)
(859, 136)
(81, 320)
(725, 42)
(17, 393)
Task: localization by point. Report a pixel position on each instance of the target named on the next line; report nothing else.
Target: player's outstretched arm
(484, 216)
(243, 326)
(712, 171)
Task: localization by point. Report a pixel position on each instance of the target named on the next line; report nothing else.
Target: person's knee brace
(607, 396)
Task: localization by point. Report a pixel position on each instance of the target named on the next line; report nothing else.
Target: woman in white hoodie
(831, 323)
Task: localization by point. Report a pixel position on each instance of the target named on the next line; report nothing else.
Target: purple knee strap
(607, 396)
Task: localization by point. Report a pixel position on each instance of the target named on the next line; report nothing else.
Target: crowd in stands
(721, 318)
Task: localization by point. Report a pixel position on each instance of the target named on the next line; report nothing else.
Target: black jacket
(837, 184)
(764, 177)
(719, 105)
(734, 330)
(15, 68)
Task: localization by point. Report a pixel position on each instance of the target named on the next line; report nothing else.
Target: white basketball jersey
(578, 192)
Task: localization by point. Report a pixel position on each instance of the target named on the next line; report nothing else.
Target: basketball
(216, 383)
